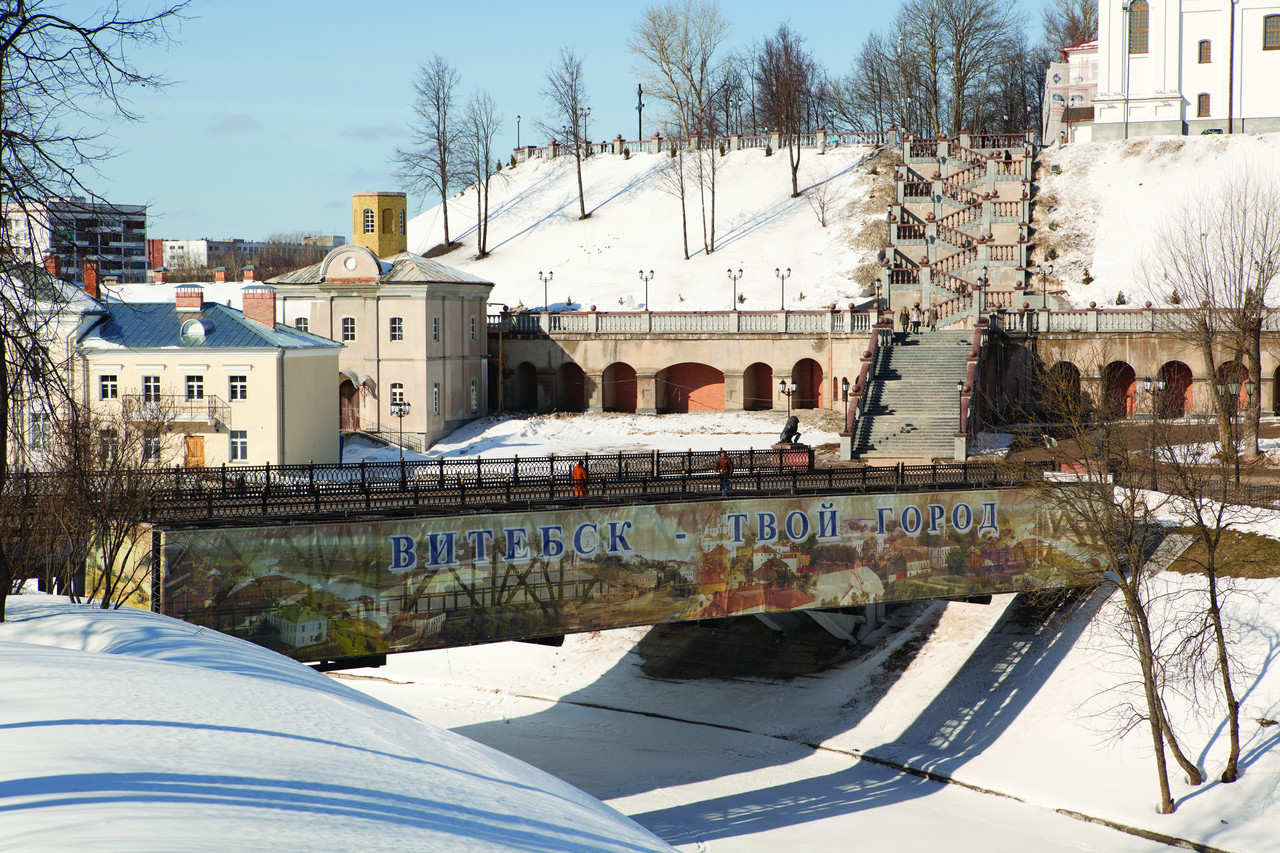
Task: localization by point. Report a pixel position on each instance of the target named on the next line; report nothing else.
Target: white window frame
(108, 387)
(40, 431)
(348, 329)
(396, 330)
(473, 327)
(370, 221)
(239, 440)
(151, 389)
(302, 324)
(150, 448)
(435, 330)
(195, 387)
(397, 392)
(435, 398)
(237, 388)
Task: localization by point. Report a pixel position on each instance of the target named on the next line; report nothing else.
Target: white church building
(1174, 67)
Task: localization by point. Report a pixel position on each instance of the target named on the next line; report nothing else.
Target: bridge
(328, 563)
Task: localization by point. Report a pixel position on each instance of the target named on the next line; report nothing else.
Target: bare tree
(785, 72)
(436, 133)
(824, 197)
(670, 178)
(480, 125)
(111, 464)
(566, 90)
(1101, 505)
(977, 35)
(1220, 252)
(1068, 22)
(677, 44)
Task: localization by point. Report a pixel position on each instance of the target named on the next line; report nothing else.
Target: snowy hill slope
(125, 730)
(634, 224)
(1098, 204)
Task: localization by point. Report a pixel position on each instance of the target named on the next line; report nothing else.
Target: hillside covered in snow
(634, 225)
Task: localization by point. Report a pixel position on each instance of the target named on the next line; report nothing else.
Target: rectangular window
(397, 392)
(151, 389)
(475, 395)
(108, 445)
(151, 448)
(397, 328)
(435, 398)
(195, 387)
(239, 445)
(108, 388)
(348, 328)
(1204, 51)
(435, 329)
(302, 324)
(41, 431)
(1271, 32)
(1138, 26)
(473, 327)
(1202, 105)
(402, 222)
(238, 387)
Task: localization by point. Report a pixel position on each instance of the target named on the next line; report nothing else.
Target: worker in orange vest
(579, 479)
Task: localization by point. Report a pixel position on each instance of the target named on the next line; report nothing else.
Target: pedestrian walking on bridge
(724, 467)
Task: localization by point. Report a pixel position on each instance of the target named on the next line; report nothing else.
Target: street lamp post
(517, 131)
(734, 278)
(879, 306)
(639, 113)
(1229, 393)
(1044, 294)
(400, 409)
(1156, 389)
(646, 279)
(782, 277)
(788, 387)
(545, 278)
(583, 112)
(844, 393)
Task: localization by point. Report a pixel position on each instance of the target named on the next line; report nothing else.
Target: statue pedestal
(795, 456)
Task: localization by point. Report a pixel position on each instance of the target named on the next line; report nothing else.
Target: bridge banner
(318, 591)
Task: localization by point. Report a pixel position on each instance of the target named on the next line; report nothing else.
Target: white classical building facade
(1174, 67)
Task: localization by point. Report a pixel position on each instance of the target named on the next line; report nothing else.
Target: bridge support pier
(595, 392)
(735, 398)
(646, 393)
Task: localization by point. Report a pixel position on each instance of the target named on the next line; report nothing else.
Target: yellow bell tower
(379, 222)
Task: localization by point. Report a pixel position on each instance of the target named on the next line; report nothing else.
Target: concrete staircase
(912, 408)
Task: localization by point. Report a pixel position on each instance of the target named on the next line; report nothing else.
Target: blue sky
(278, 112)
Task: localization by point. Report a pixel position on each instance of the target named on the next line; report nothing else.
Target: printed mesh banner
(315, 591)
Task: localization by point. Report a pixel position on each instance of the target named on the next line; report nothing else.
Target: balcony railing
(176, 408)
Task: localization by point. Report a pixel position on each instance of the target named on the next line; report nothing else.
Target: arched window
(402, 223)
(1271, 32)
(370, 224)
(1206, 54)
(387, 221)
(1202, 105)
(1138, 19)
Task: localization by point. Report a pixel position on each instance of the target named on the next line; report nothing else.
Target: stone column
(735, 398)
(646, 393)
(595, 391)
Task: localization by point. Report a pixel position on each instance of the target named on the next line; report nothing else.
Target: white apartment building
(1173, 67)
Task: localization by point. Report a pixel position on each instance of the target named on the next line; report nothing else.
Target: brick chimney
(188, 297)
(250, 273)
(219, 273)
(51, 265)
(160, 273)
(259, 301)
(91, 280)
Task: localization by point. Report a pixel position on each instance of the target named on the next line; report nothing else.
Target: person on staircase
(915, 319)
(933, 318)
(904, 318)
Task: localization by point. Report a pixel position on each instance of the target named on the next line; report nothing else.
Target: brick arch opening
(1174, 399)
(619, 391)
(691, 387)
(571, 388)
(757, 387)
(807, 374)
(524, 388)
(1119, 388)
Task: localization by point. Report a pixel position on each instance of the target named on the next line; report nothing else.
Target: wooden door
(349, 406)
(195, 451)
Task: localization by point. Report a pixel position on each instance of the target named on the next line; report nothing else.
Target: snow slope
(634, 225)
(1100, 210)
(125, 730)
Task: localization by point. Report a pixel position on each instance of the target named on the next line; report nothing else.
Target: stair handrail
(858, 393)
(971, 391)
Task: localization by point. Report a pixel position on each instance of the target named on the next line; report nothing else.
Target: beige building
(235, 387)
(412, 329)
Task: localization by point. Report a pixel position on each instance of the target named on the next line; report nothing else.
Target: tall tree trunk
(1150, 693)
(793, 152)
(1155, 706)
(582, 201)
(1231, 773)
(444, 211)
